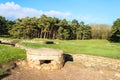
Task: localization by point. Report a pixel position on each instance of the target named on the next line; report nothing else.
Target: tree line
(54, 28)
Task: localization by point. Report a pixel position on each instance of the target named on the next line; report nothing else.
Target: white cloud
(91, 19)
(88, 18)
(56, 13)
(13, 11)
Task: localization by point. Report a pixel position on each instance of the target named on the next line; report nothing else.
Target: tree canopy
(52, 28)
(2, 25)
(115, 36)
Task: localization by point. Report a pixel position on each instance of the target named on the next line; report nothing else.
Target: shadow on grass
(7, 44)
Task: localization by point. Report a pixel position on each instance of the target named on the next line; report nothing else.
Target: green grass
(8, 53)
(91, 47)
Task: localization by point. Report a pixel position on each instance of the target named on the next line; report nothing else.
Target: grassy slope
(93, 47)
(8, 53)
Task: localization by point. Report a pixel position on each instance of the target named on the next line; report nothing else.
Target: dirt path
(71, 71)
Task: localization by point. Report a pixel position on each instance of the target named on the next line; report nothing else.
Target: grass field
(91, 47)
(8, 53)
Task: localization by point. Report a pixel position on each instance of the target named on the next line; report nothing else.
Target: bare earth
(70, 71)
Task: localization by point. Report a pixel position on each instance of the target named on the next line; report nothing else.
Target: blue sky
(89, 11)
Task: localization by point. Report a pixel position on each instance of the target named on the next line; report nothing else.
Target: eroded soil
(70, 71)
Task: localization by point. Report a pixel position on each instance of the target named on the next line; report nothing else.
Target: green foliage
(22, 28)
(51, 28)
(2, 25)
(115, 37)
(92, 47)
(83, 31)
(8, 53)
(5, 25)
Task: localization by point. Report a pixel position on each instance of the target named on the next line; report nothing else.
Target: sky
(89, 11)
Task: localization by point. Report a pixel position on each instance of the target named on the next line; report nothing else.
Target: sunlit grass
(92, 47)
(8, 53)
